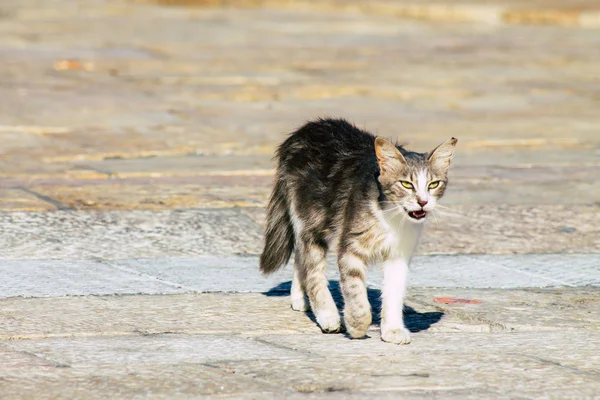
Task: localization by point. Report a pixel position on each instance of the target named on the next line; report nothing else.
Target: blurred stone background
(179, 104)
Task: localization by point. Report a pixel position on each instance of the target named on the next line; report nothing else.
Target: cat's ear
(388, 155)
(441, 156)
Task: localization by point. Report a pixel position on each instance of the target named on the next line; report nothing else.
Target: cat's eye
(433, 185)
(407, 185)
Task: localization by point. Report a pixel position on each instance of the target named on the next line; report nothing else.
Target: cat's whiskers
(398, 211)
(435, 215)
(395, 208)
(403, 220)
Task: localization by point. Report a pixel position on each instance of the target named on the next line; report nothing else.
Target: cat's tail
(279, 233)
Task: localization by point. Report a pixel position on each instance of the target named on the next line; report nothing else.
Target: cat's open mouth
(417, 214)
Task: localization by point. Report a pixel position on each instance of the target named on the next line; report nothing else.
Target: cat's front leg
(395, 274)
(357, 309)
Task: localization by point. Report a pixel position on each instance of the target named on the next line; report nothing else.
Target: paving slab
(123, 234)
(218, 313)
(411, 370)
(408, 375)
(173, 381)
(47, 278)
(519, 344)
(174, 345)
(41, 278)
(150, 349)
(99, 235)
(90, 316)
(510, 271)
(520, 310)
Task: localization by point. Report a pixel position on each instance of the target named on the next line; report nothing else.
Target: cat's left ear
(440, 157)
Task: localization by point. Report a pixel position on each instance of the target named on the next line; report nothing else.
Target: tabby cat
(341, 188)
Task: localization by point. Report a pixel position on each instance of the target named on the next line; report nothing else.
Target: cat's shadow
(415, 321)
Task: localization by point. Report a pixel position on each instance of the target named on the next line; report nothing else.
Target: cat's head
(413, 182)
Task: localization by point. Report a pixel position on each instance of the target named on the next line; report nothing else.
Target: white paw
(300, 304)
(329, 321)
(397, 336)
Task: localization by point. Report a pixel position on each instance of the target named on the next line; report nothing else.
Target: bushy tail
(279, 233)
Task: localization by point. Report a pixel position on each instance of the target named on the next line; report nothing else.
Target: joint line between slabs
(538, 276)
(169, 283)
(46, 199)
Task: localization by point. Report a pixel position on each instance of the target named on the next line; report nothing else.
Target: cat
(339, 187)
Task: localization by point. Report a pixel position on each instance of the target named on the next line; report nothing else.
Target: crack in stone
(55, 364)
(283, 347)
(558, 364)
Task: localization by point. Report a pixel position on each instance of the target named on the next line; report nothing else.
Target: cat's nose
(421, 202)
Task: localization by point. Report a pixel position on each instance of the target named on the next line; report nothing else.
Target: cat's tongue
(418, 214)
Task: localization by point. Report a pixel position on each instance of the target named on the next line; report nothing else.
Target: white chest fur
(399, 236)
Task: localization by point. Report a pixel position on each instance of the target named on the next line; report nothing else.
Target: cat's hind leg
(297, 294)
(357, 309)
(312, 275)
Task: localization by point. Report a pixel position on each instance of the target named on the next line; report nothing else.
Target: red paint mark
(454, 300)
(63, 65)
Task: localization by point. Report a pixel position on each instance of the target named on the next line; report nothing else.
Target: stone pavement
(135, 164)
